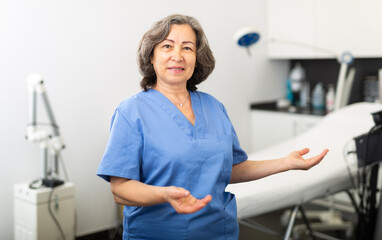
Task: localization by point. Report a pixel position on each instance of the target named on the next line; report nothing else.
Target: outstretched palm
(298, 162)
(183, 202)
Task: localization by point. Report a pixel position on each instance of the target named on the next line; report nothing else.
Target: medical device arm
(52, 142)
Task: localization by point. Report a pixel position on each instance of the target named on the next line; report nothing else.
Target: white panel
(325, 27)
(350, 25)
(291, 25)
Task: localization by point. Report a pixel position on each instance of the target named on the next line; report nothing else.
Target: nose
(177, 55)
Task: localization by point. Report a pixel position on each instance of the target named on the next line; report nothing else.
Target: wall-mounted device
(247, 36)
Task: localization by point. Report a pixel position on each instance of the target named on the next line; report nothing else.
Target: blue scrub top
(151, 141)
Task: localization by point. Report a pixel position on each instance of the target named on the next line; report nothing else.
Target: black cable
(52, 215)
(351, 178)
(363, 176)
(367, 191)
(352, 199)
(61, 159)
(33, 186)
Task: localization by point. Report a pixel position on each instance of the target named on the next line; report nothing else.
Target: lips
(176, 68)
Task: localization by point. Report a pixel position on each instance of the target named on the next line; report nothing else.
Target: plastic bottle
(330, 98)
(289, 95)
(318, 102)
(297, 77)
(305, 95)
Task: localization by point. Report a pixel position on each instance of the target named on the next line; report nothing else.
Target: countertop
(271, 106)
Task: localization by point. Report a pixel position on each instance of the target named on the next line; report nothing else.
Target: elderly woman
(172, 150)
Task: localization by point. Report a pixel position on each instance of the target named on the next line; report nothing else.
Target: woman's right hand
(183, 202)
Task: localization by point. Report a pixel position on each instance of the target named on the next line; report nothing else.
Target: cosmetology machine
(45, 207)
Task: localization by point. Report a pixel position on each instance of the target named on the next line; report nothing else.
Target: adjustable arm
(34, 134)
(342, 94)
(36, 86)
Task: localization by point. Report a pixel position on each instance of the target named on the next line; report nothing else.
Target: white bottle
(330, 98)
(318, 97)
(297, 76)
(305, 95)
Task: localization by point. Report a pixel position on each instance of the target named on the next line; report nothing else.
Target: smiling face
(174, 58)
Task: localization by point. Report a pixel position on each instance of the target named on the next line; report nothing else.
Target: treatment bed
(293, 188)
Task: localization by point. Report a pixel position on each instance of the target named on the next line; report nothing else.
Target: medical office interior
(311, 79)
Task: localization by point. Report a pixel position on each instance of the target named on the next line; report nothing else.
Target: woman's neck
(174, 91)
(177, 94)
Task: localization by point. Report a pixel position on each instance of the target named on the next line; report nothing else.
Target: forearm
(134, 193)
(253, 170)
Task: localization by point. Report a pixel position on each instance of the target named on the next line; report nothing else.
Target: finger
(303, 151)
(190, 200)
(315, 160)
(177, 192)
(192, 204)
(199, 204)
(206, 199)
(322, 154)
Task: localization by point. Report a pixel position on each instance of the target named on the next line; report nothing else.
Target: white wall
(86, 51)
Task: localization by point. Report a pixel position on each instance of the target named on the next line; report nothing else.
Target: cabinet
(271, 127)
(32, 217)
(305, 29)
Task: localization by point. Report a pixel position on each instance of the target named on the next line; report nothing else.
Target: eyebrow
(182, 42)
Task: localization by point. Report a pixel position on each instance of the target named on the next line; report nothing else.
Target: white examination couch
(294, 188)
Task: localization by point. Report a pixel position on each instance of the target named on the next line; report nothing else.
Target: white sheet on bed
(334, 132)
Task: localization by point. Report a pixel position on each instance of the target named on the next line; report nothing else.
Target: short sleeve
(239, 155)
(123, 152)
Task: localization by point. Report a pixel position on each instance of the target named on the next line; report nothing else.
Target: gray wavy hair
(205, 61)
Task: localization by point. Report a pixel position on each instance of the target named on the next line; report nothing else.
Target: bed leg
(291, 222)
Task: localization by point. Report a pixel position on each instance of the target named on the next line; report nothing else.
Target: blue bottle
(318, 97)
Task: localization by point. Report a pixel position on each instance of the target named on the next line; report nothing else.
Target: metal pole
(33, 108)
(378, 224)
(50, 114)
(55, 164)
(44, 159)
(291, 222)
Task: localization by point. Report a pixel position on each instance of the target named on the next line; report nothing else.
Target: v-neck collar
(197, 130)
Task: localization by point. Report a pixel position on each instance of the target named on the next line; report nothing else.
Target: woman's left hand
(295, 160)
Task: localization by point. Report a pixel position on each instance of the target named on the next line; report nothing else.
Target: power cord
(40, 182)
(367, 177)
(346, 154)
(67, 179)
(54, 217)
(351, 195)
